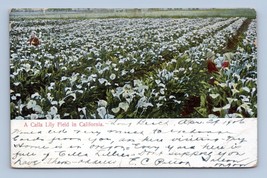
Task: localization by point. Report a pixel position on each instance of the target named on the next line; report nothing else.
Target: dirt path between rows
(233, 42)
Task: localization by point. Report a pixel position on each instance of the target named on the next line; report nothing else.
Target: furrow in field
(168, 55)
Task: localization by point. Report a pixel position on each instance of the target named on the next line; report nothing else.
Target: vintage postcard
(115, 88)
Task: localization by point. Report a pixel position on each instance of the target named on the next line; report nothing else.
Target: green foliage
(129, 78)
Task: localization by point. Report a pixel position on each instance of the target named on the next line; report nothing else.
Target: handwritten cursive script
(134, 143)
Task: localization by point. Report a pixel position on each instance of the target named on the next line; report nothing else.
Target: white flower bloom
(53, 110)
(102, 103)
(67, 89)
(178, 102)
(48, 117)
(162, 98)
(70, 94)
(188, 60)
(37, 109)
(108, 62)
(49, 97)
(234, 115)
(34, 116)
(227, 106)
(162, 91)
(142, 103)
(66, 114)
(212, 116)
(157, 82)
(26, 67)
(214, 95)
(223, 85)
(64, 78)
(171, 97)
(56, 117)
(112, 76)
(54, 102)
(181, 69)
(222, 108)
(19, 118)
(102, 80)
(230, 100)
(79, 86)
(31, 104)
(162, 85)
(123, 72)
(61, 102)
(115, 110)
(109, 116)
(245, 106)
(158, 105)
(124, 106)
(102, 112)
(35, 95)
(137, 83)
(246, 89)
(16, 83)
(83, 110)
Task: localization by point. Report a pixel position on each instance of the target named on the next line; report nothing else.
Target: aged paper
(134, 143)
(111, 88)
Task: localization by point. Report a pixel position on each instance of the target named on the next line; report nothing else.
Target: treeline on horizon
(138, 12)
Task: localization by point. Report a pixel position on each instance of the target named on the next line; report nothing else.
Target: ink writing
(134, 143)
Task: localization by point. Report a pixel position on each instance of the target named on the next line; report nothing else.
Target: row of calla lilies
(131, 68)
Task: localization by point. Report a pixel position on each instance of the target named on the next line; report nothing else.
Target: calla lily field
(117, 68)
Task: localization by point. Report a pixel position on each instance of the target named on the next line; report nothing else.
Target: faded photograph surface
(132, 63)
